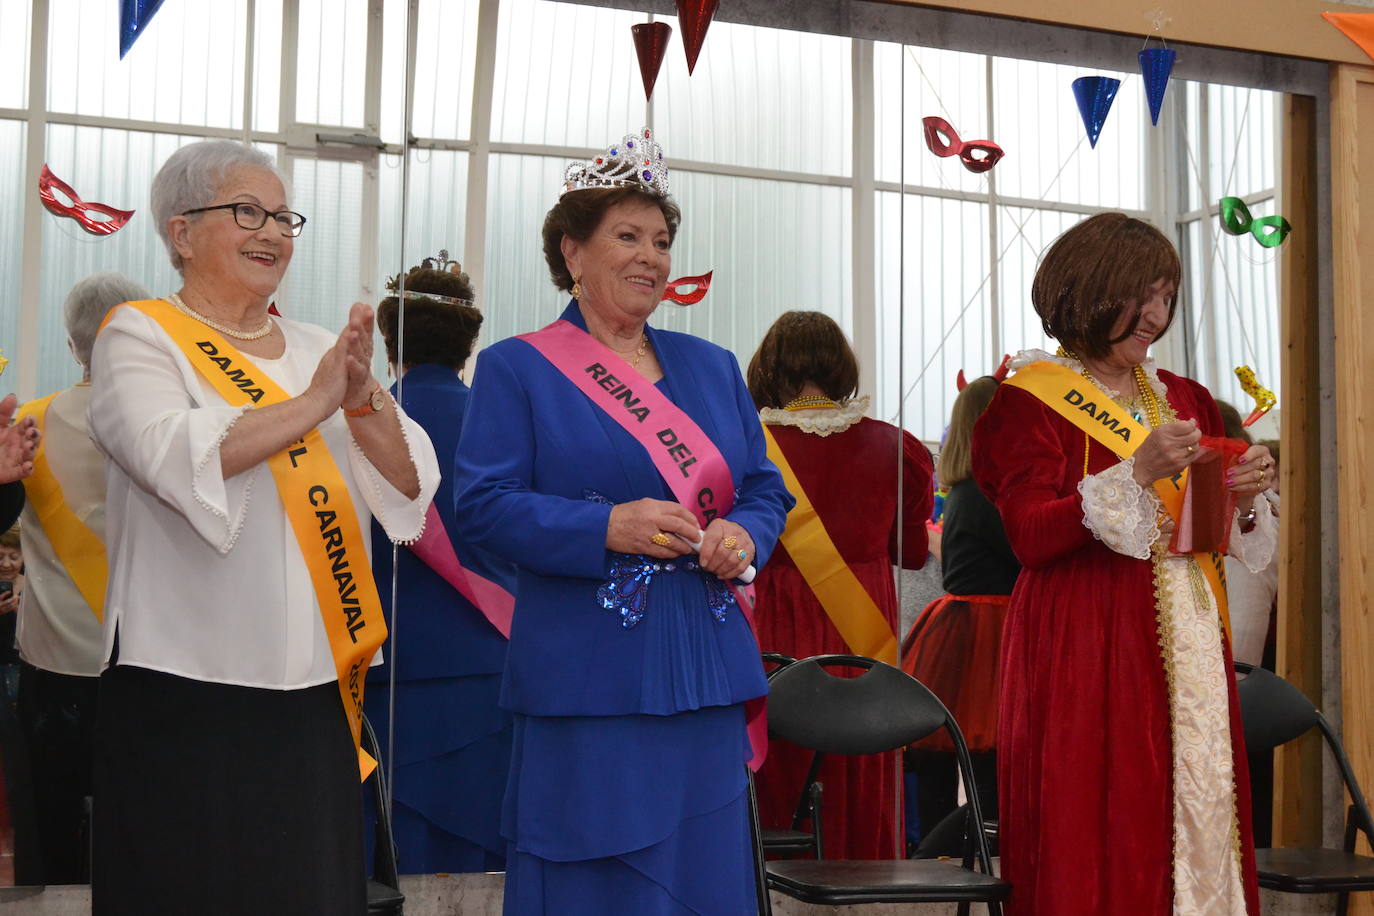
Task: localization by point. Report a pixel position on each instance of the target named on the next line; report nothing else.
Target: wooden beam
(1352, 155)
(1298, 769)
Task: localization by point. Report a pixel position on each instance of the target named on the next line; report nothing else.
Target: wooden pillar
(1298, 769)
(1352, 156)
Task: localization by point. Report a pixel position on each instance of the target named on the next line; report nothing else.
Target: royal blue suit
(627, 780)
(452, 739)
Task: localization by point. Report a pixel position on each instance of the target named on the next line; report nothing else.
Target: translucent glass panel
(773, 245)
(11, 247)
(186, 68)
(1035, 100)
(325, 277)
(330, 69)
(114, 167)
(267, 62)
(938, 312)
(566, 75)
(1240, 148)
(445, 49)
(394, 40)
(1022, 237)
(14, 55)
(765, 98)
(947, 84)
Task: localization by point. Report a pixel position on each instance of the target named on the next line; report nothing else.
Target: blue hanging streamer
(1095, 95)
(1155, 66)
(134, 16)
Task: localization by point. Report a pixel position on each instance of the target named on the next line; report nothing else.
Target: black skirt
(214, 799)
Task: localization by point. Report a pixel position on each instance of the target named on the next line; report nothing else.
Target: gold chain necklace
(639, 354)
(810, 402)
(232, 332)
(1145, 393)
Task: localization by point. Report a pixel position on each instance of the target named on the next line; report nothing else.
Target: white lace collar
(819, 421)
(1026, 357)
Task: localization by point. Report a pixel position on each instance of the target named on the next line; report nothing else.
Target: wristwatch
(374, 404)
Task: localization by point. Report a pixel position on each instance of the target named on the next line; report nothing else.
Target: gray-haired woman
(248, 454)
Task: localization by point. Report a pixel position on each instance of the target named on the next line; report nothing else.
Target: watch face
(378, 400)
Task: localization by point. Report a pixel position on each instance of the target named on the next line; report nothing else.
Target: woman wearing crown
(622, 469)
(1121, 759)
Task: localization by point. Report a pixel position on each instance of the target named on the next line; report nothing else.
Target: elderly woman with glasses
(247, 456)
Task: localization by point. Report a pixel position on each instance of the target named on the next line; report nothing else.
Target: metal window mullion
(368, 241)
(994, 243)
(863, 207)
(1209, 252)
(35, 154)
(249, 55)
(479, 156)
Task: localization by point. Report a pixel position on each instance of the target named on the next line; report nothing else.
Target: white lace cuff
(226, 501)
(1256, 548)
(1120, 512)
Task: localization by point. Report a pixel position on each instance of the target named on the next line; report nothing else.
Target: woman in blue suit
(452, 739)
(631, 657)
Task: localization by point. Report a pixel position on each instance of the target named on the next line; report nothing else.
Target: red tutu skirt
(955, 649)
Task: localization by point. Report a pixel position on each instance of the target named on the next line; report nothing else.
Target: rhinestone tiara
(439, 262)
(635, 162)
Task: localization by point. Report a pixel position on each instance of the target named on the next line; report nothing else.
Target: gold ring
(729, 542)
(1191, 449)
(744, 554)
(661, 539)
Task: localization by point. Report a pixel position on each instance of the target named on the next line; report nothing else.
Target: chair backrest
(880, 710)
(1272, 710)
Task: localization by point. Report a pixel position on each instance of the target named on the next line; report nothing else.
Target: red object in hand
(1204, 521)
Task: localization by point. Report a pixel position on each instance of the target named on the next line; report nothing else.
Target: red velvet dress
(850, 477)
(1087, 764)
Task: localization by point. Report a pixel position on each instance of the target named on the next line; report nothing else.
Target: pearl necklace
(232, 332)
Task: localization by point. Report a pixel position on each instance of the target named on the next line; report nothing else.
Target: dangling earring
(577, 288)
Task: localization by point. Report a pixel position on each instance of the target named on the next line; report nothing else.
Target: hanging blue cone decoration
(1155, 66)
(134, 16)
(1095, 95)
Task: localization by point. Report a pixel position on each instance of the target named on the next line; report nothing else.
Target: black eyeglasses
(251, 216)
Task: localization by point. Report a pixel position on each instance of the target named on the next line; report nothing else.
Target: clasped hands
(343, 379)
(634, 525)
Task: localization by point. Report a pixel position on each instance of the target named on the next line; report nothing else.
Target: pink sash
(688, 461)
(436, 550)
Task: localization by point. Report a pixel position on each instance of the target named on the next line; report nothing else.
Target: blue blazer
(535, 457)
(440, 634)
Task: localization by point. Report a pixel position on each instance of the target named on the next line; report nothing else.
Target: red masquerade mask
(943, 141)
(673, 291)
(97, 219)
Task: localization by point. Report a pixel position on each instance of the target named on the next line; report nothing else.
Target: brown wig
(1093, 273)
(956, 455)
(10, 538)
(802, 347)
(1232, 425)
(436, 332)
(577, 215)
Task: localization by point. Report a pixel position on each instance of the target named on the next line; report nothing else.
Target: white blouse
(207, 580)
(57, 630)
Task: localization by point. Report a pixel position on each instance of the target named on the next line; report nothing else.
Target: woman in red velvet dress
(1122, 774)
(803, 379)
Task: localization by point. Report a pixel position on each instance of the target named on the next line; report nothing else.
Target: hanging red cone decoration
(651, 43)
(694, 18)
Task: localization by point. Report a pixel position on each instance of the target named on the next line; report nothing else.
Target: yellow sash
(1086, 406)
(76, 546)
(845, 601)
(317, 502)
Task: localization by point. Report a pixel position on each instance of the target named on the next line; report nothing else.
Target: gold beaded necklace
(810, 402)
(1145, 393)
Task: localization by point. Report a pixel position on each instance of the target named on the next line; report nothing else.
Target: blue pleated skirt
(642, 815)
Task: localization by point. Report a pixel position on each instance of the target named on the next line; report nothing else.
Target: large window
(798, 160)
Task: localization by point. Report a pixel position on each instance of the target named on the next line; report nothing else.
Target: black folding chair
(384, 896)
(881, 710)
(808, 808)
(1275, 712)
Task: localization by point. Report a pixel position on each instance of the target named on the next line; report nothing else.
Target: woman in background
(804, 379)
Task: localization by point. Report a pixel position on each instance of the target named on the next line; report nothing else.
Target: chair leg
(1342, 903)
(963, 908)
(765, 904)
